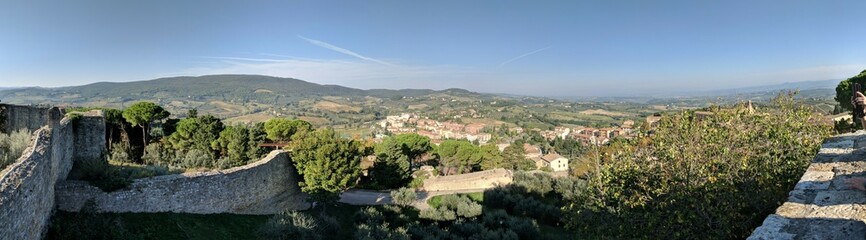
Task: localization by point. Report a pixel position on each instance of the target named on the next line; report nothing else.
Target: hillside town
(481, 133)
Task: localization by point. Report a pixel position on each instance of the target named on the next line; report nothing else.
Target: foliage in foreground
(299, 225)
(716, 178)
(12, 145)
(96, 226)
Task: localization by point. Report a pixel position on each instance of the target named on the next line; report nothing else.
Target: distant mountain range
(223, 87)
(802, 86)
(280, 91)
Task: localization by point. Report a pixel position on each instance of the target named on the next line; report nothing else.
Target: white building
(554, 161)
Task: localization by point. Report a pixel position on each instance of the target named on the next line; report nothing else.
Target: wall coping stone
(821, 206)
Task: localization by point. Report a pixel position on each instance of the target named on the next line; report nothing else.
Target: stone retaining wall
(264, 187)
(476, 180)
(821, 206)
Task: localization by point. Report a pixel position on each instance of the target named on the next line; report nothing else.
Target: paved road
(371, 197)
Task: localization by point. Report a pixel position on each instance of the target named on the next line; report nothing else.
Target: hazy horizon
(523, 48)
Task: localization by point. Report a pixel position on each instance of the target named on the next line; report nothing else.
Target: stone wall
(476, 180)
(14, 117)
(89, 142)
(267, 186)
(822, 206)
(27, 186)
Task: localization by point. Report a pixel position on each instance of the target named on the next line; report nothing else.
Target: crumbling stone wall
(27, 186)
(267, 186)
(16, 117)
(89, 139)
(476, 180)
(822, 206)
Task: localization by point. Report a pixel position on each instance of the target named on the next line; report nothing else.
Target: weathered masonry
(34, 186)
(822, 206)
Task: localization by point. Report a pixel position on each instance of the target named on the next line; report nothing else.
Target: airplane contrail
(344, 51)
(522, 56)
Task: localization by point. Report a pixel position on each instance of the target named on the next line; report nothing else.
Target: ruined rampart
(267, 186)
(27, 185)
(822, 206)
(36, 184)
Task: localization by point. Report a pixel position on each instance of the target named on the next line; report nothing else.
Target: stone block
(835, 229)
(801, 196)
(827, 198)
(815, 180)
(846, 143)
(769, 233)
(793, 210)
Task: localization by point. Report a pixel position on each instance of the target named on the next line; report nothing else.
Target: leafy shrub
(452, 207)
(569, 188)
(294, 225)
(120, 153)
(225, 162)
(522, 204)
(369, 215)
(196, 158)
(380, 231)
(534, 182)
(403, 196)
(438, 214)
(717, 176)
(428, 231)
(159, 154)
(12, 146)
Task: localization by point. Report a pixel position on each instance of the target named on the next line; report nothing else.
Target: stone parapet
(821, 206)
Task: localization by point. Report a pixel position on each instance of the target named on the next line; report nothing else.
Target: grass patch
(118, 175)
(435, 201)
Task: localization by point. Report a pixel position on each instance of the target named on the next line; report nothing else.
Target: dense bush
(196, 158)
(714, 177)
(521, 203)
(380, 231)
(403, 196)
(375, 224)
(452, 207)
(12, 146)
(540, 183)
(495, 224)
(298, 225)
(120, 152)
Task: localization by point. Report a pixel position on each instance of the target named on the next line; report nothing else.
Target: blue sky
(549, 48)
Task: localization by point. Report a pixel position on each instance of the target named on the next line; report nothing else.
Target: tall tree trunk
(110, 136)
(144, 138)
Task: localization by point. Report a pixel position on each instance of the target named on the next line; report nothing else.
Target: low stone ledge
(821, 206)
